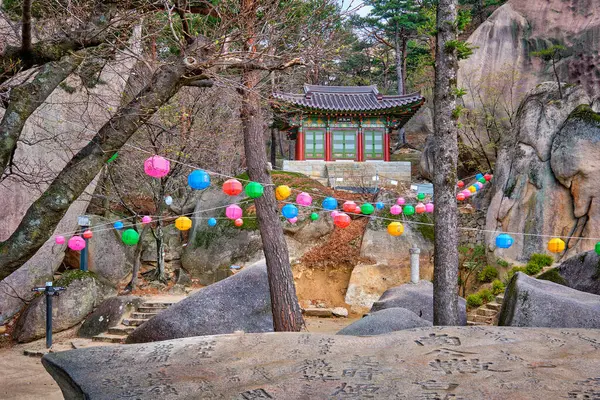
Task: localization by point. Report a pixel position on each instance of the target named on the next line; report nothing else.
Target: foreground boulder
(240, 302)
(108, 314)
(385, 321)
(83, 293)
(425, 363)
(582, 272)
(417, 298)
(535, 303)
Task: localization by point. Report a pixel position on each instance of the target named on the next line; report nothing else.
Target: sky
(357, 5)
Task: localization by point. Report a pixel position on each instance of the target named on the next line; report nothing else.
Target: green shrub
(533, 268)
(553, 275)
(544, 260)
(498, 287)
(513, 271)
(487, 274)
(503, 263)
(474, 300)
(486, 295)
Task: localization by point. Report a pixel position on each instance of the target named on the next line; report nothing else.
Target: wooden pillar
(386, 145)
(360, 144)
(327, 144)
(300, 145)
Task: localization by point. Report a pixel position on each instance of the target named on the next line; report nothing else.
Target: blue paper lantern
(330, 203)
(212, 222)
(380, 205)
(289, 211)
(118, 225)
(504, 241)
(199, 179)
(478, 176)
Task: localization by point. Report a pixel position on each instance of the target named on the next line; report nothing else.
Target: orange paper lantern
(232, 187)
(238, 222)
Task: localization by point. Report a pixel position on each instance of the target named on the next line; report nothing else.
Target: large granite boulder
(385, 321)
(108, 314)
(529, 302)
(172, 244)
(531, 191)
(475, 363)
(81, 296)
(417, 298)
(238, 303)
(582, 272)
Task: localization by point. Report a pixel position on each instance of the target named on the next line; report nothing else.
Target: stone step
(486, 312)
(108, 338)
(472, 323)
(480, 318)
(494, 306)
(121, 330)
(156, 304)
(318, 312)
(150, 310)
(133, 321)
(500, 298)
(142, 315)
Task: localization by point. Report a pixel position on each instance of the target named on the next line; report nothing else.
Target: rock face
(240, 302)
(172, 245)
(417, 298)
(385, 321)
(109, 258)
(582, 272)
(505, 42)
(108, 314)
(529, 302)
(69, 308)
(477, 363)
(391, 262)
(532, 191)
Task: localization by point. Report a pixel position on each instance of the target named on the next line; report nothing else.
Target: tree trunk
(273, 148)
(445, 291)
(399, 62)
(160, 254)
(557, 78)
(42, 216)
(137, 261)
(26, 30)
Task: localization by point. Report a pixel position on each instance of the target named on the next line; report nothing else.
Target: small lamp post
(50, 291)
(84, 222)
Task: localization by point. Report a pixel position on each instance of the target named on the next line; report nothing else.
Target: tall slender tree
(445, 286)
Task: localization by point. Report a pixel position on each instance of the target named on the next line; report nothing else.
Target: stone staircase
(487, 314)
(144, 312)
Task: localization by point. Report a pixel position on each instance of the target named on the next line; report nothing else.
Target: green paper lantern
(597, 248)
(367, 209)
(254, 190)
(408, 210)
(113, 158)
(314, 216)
(481, 180)
(130, 237)
(421, 196)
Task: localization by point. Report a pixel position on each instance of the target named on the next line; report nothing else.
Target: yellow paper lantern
(472, 189)
(556, 245)
(395, 229)
(283, 192)
(183, 223)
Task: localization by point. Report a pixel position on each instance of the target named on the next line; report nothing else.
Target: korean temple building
(333, 124)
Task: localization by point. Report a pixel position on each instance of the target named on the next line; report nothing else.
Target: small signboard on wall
(344, 119)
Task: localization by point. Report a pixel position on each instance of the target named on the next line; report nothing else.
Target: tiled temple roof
(348, 99)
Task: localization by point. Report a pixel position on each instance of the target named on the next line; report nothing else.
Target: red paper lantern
(232, 187)
(238, 222)
(87, 234)
(357, 210)
(487, 177)
(341, 220)
(420, 208)
(460, 184)
(349, 206)
(460, 196)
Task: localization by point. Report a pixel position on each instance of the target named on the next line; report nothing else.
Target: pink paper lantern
(304, 199)
(76, 243)
(396, 209)
(467, 193)
(429, 207)
(60, 240)
(420, 208)
(146, 219)
(401, 201)
(334, 213)
(357, 210)
(157, 166)
(233, 212)
(293, 220)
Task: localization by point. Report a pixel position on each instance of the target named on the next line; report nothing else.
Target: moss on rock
(73, 275)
